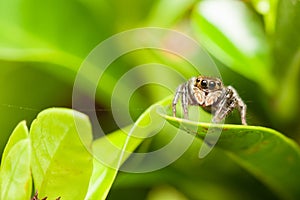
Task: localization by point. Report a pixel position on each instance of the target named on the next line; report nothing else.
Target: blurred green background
(255, 44)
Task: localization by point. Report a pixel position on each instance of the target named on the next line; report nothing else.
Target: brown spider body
(211, 95)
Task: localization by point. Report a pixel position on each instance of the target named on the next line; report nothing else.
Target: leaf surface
(286, 51)
(112, 150)
(15, 172)
(19, 133)
(270, 156)
(61, 164)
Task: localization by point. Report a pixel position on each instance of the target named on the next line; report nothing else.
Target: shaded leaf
(286, 52)
(29, 28)
(31, 31)
(270, 156)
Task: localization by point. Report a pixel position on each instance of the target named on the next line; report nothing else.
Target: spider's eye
(204, 83)
(212, 85)
(198, 80)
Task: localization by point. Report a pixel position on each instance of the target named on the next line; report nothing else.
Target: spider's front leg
(177, 95)
(184, 102)
(181, 92)
(220, 111)
(230, 101)
(239, 104)
(242, 107)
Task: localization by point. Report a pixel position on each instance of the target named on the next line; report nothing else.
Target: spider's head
(208, 84)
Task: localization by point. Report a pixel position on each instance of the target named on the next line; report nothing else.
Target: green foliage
(42, 45)
(41, 154)
(250, 147)
(287, 60)
(103, 176)
(228, 31)
(54, 136)
(15, 175)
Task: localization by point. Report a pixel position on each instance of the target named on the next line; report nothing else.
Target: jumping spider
(211, 95)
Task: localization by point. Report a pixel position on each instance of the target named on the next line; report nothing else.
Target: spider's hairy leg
(178, 94)
(242, 107)
(221, 111)
(184, 101)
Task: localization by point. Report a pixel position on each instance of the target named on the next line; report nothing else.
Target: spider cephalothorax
(212, 95)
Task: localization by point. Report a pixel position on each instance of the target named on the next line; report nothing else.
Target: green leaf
(101, 181)
(104, 175)
(268, 8)
(231, 32)
(270, 156)
(286, 52)
(15, 173)
(25, 91)
(114, 149)
(31, 29)
(61, 164)
(165, 13)
(19, 133)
